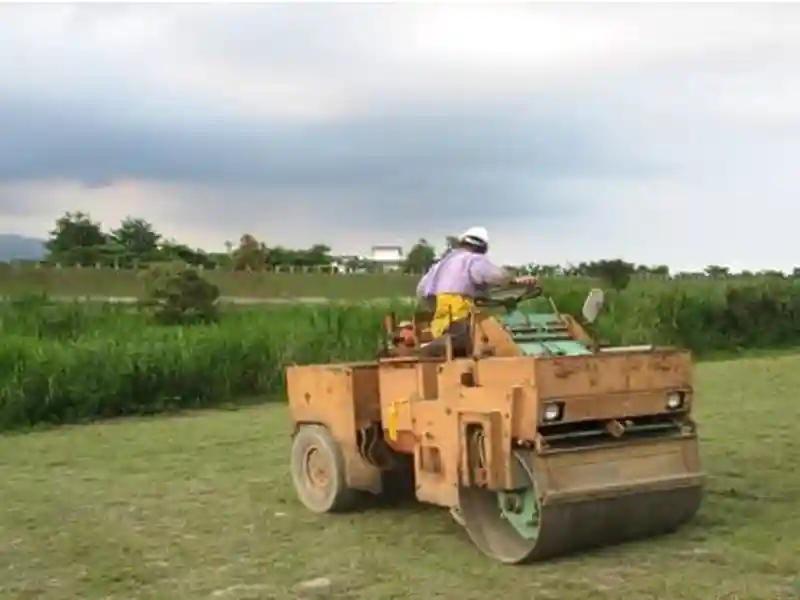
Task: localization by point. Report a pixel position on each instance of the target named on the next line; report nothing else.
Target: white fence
(340, 270)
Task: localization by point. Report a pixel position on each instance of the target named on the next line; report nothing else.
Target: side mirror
(593, 305)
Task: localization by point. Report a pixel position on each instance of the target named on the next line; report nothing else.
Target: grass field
(108, 282)
(71, 282)
(201, 506)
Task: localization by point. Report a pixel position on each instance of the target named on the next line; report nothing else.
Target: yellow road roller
(541, 441)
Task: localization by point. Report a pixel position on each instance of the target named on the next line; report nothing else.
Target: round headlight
(674, 400)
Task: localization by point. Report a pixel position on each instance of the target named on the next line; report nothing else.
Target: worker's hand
(526, 280)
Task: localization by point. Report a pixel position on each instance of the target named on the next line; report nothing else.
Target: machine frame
(540, 441)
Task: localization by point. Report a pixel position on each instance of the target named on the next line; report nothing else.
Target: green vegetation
(202, 507)
(88, 281)
(78, 240)
(65, 362)
(70, 282)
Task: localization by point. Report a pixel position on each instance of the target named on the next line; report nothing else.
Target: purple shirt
(459, 272)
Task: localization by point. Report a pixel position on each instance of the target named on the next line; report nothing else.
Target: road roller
(540, 440)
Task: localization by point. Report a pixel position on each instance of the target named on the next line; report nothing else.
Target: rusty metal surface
(343, 398)
(659, 369)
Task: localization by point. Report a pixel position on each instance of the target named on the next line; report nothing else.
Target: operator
(457, 279)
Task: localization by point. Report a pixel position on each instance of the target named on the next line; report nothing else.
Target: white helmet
(475, 235)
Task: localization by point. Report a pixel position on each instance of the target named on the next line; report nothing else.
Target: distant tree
(661, 270)
(171, 250)
(318, 255)
(251, 255)
(647, 270)
(717, 271)
(615, 273)
(279, 256)
(137, 238)
(420, 258)
(77, 240)
(219, 259)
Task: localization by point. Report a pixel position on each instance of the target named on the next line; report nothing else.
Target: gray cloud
(404, 120)
(430, 161)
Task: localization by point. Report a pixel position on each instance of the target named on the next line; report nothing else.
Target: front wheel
(318, 471)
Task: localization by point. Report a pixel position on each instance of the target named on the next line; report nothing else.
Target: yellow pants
(449, 308)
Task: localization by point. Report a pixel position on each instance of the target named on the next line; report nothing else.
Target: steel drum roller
(516, 528)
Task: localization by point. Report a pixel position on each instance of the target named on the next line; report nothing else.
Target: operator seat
(459, 334)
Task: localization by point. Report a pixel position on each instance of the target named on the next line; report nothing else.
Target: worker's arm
(484, 272)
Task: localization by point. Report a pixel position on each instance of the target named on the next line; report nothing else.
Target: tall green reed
(69, 362)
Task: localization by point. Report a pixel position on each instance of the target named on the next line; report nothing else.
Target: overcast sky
(656, 133)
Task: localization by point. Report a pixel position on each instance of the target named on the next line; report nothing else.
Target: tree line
(77, 240)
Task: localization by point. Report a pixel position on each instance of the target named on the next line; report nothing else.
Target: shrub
(179, 295)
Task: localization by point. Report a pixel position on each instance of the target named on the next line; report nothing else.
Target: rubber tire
(338, 497)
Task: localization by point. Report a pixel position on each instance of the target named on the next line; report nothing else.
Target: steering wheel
(507, 296)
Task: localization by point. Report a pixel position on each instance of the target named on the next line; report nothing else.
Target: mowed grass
(67, 282)
(201, 506)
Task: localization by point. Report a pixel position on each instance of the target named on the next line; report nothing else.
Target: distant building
(389, 258)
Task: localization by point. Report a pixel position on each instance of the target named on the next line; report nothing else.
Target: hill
(18, 247)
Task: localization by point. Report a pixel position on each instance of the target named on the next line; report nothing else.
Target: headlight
(553, 411)
(675, 400)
